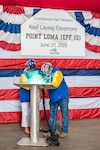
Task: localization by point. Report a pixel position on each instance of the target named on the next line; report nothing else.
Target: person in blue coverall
(58, 97)
(25, 95)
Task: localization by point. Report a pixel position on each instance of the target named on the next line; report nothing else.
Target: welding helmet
(46, 68)
(30, 64)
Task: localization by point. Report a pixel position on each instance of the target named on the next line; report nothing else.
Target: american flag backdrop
(82, 74)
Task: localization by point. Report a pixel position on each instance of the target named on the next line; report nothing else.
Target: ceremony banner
(52, 33)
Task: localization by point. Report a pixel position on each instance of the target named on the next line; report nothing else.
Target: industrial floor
(83, 135)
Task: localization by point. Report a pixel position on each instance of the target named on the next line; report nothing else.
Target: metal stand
(34, 139)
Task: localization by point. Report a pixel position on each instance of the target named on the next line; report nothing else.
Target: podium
(34, 139)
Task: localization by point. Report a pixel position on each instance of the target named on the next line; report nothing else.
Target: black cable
(45, 111)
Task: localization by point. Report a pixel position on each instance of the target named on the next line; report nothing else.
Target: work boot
(63, 135)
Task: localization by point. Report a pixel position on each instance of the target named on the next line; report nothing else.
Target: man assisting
(58, 97)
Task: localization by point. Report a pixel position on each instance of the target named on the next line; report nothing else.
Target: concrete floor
(83, 135)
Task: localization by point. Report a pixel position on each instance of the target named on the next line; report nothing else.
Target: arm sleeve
(23, 79)
(57, 79)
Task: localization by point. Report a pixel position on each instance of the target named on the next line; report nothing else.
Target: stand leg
(34, 139)
(34, 135)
